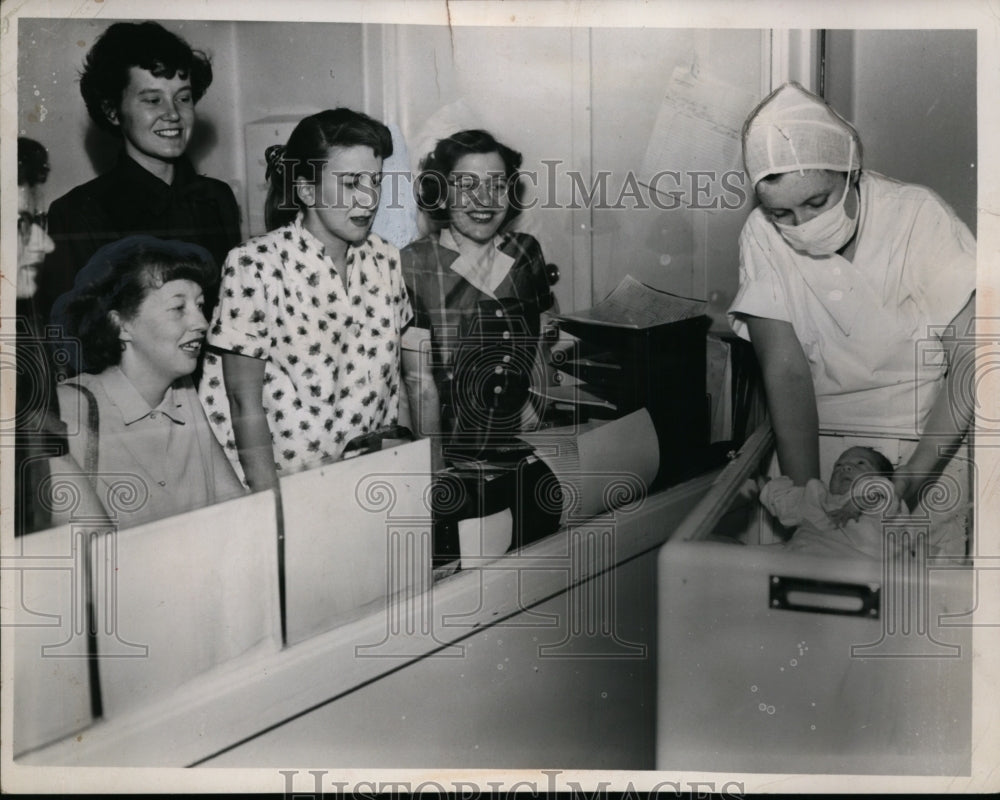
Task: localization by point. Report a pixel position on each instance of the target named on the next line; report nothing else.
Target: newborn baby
(838, 520)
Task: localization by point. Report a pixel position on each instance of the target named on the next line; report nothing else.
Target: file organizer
(660, 368)
(183, 596)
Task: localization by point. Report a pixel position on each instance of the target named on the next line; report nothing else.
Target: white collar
(500, 264)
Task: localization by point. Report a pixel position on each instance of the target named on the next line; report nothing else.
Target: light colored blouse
(151, 462)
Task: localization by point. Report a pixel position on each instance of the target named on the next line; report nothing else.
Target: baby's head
(854, 462)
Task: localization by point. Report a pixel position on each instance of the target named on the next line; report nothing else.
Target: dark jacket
(127, 200)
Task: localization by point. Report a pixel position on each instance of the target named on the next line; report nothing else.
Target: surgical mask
(826, 233)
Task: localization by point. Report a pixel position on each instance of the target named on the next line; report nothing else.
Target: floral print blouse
(331, 352)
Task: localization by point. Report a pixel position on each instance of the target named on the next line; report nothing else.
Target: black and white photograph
(489, 397)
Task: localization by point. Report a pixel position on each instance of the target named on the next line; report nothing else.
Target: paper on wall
(396, 219)
(697, 128)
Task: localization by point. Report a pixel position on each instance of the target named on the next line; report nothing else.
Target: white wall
(688, 251)
(516, 83)
(912, 96)
(585, 97)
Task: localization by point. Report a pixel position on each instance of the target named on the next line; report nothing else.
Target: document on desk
(600, 464)
(635, 305)
(571, 392)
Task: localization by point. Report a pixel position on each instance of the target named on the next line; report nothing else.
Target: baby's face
(853, 462)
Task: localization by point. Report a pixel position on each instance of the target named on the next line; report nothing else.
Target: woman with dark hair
(34, 242)
(141, 82)
(310, 314)
(478, 296)
(137, 309)
(41, 450)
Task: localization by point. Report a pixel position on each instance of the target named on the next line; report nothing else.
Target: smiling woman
(479, 292)
(138, 310)
(140, 82)
(155, 116)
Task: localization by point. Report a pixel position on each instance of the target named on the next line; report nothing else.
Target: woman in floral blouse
(308, 323)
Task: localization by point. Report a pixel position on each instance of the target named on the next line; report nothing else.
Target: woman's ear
(110, 112)
(124, 334)
(305, 191)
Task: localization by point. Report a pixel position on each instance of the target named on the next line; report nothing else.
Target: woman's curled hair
(308, 149)
(146, 45)
(432, 184)
(117, 278)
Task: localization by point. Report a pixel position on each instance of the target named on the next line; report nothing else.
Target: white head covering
(794, 130)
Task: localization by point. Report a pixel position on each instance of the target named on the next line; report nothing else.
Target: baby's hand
(751, 487)
(870, 494)
(847, 512)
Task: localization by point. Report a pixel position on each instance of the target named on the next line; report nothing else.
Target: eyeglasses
(26, 220)
(496, 185)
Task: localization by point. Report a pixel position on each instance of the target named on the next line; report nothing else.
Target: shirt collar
(447, 239)
(123, 394)
(487, 284)
(315, 245)
(300, 232)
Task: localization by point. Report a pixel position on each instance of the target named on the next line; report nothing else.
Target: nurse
(843, 273)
